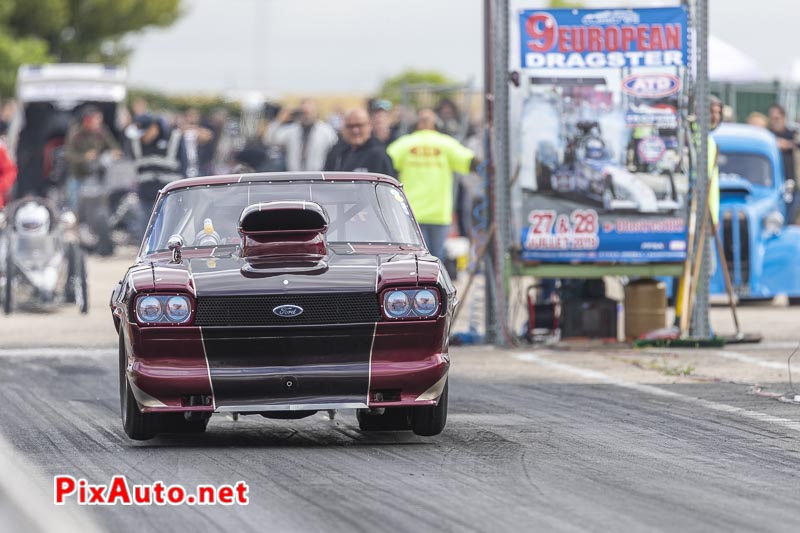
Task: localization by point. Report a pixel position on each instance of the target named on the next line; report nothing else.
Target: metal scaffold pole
(488, 88)
(700, 325)
(500, 182)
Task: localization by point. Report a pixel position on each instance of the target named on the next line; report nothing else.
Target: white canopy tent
(793, 72)
(727, 63)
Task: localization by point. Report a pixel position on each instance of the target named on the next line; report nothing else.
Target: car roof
(744, 138)
(281, 177)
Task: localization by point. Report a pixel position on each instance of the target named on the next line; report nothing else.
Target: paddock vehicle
(51, 99)
(760, 247)
(42, 264)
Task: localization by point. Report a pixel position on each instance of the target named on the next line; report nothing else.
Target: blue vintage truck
(762, 250)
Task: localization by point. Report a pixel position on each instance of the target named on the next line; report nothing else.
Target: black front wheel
(430, 421)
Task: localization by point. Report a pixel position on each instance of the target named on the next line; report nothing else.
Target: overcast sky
(352, 45)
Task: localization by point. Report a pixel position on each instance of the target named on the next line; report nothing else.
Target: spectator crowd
(788, 143)
(75, 148)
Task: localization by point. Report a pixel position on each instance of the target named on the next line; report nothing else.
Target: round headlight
(149, 309)
(178, 308)
(425, 302)
(396, 304)
(773, 223)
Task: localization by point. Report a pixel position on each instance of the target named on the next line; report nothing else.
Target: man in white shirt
(307, 141)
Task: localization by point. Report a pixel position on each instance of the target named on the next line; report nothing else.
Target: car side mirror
(175, 243)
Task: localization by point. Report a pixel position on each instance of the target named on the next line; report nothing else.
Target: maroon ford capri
(282, 295)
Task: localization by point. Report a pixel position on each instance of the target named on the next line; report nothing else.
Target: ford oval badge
(288, 311)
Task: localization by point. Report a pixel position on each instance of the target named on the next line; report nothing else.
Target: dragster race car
(282, 295)
(589, 170)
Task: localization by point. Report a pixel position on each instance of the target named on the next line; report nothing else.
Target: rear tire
(101, 228)
(609, 194)
(137, 425)
(69, 288)
(544, 177)
(8, 290)
(81, 283)
(430, 421)
(392, 419)
(673, 189)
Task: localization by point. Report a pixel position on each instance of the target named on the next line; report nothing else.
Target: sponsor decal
(651, 149)
(651, 86)
(288, 311)
(660, 115)
(658, 120)
(426, 151)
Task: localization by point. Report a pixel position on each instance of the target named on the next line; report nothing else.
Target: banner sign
(598, 136)
(603, 38)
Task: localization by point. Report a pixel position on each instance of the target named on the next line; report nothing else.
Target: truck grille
(343, 308)
(736, 243)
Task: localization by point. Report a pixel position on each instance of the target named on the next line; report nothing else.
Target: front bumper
(175, 369)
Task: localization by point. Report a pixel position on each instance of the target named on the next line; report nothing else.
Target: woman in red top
(8, 174)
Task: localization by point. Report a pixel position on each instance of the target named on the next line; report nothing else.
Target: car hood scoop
(283, 236)
(232, 275)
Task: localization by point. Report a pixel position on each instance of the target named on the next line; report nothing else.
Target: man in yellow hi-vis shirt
(715, 119)
(425, 162)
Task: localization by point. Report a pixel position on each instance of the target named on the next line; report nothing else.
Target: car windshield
(365, 212)
(754, 168)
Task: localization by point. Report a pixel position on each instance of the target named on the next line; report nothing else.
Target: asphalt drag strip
(792, 425)
(559, 449)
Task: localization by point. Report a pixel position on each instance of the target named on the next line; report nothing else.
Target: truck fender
(781, 271)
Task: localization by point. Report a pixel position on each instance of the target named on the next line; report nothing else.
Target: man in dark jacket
(159, 155)
(358, 151)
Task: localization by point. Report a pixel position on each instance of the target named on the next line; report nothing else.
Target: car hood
(735, 184)
(343, 272)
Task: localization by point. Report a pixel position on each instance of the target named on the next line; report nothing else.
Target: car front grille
(318, 309)
(736, 243)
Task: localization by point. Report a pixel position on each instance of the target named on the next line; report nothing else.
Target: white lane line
(744, 358)
(772, 345)
(25, 488)
(657, 391)
(50, 351)
(735, 356)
